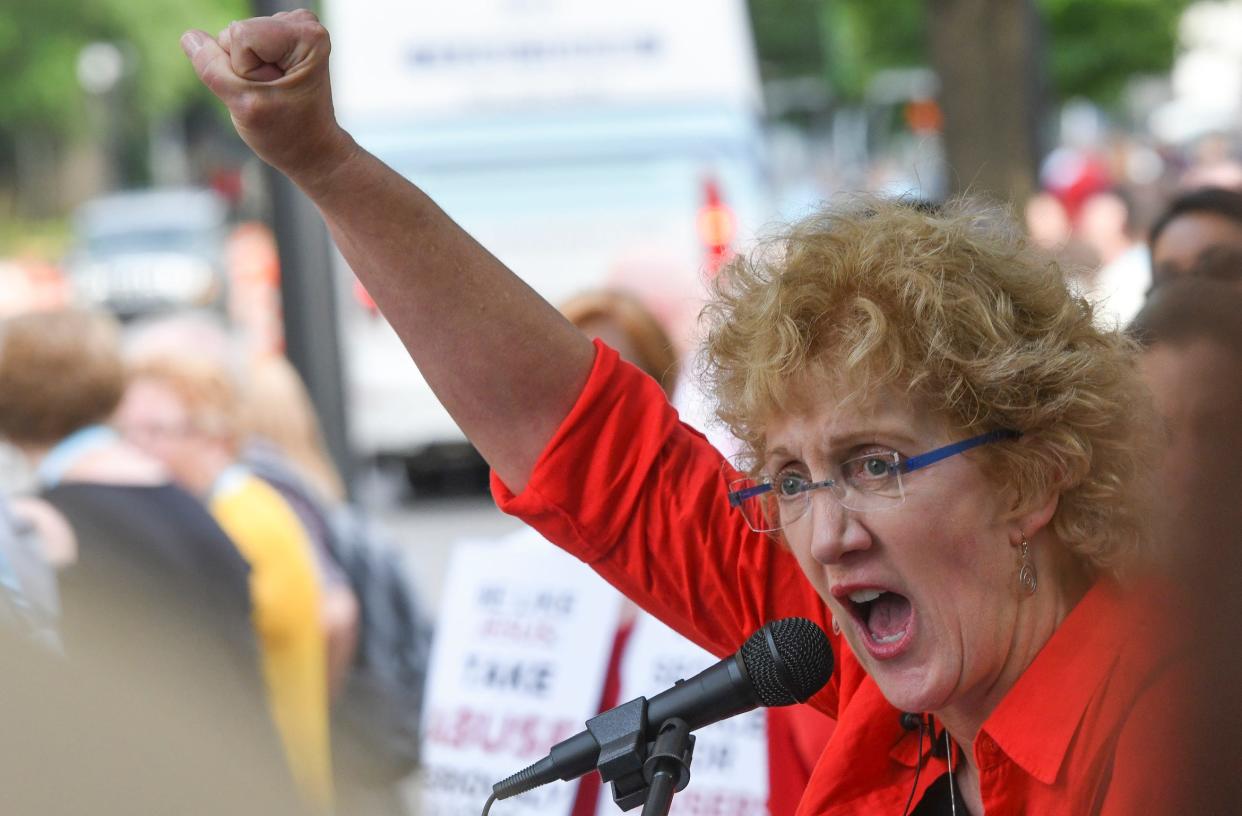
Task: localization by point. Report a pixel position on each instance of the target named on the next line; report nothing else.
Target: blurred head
(1047, 222)
(1193, 363)
(59, 372)
(277, 407)
(874, 328)
(1192, 224)
(624, 323)
(1222, 264)
(191, 332)
(1107, 224)
(183, 411)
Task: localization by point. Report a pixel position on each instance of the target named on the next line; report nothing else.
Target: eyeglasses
(863, 483)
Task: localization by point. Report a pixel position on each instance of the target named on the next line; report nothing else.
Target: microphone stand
(667, 769)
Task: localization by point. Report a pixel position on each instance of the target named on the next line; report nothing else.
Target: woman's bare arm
(503, 362)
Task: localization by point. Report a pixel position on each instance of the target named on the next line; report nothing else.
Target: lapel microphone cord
(918, 765)
(926, 724)
(948, 749)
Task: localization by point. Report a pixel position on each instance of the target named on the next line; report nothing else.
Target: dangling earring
(1028, 579)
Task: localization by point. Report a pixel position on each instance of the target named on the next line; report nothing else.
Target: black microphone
(783, 663)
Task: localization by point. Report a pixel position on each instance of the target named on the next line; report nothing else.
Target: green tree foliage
(40, 41)
(1093, 45)
(1097, 44)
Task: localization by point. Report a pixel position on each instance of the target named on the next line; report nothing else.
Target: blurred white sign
(522, 644)
(431, 58)
(729, 770)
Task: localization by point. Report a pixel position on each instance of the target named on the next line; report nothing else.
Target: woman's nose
(834, 530)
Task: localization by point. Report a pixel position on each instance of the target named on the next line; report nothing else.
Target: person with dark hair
(1193, 223)
(946, 463)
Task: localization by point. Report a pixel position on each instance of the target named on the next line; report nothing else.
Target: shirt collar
(1036, 721)
(65, 454)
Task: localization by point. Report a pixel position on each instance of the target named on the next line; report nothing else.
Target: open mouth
(885, 617)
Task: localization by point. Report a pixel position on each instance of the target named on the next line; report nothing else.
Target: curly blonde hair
(953, 306)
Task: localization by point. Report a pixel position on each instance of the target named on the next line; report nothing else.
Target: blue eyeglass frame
(931, 457)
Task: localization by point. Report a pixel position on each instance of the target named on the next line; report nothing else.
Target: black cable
(491, 799)
(918, 768)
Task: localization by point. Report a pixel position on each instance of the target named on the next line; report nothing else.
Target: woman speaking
(945, 463)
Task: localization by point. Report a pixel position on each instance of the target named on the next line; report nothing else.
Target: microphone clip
(631, 764)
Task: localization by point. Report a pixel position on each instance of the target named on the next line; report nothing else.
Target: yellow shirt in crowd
(285, 595)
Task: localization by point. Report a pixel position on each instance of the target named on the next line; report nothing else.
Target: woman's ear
(1035, 512)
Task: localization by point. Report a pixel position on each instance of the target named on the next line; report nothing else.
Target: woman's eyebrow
(873, 435)
(837, 444)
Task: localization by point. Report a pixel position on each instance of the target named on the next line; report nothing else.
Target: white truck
(584, 144)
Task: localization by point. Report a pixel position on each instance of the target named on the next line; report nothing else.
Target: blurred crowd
(187, 535)
(191, 603)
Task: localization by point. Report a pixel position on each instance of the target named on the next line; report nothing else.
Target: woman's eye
(869, 467)
(789, 484)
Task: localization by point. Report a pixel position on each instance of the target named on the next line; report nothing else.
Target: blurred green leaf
(40, 41)
(1094, 46)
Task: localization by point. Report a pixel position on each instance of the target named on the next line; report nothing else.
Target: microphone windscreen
(788, 660)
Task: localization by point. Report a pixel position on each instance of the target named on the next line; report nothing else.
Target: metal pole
(308, 297)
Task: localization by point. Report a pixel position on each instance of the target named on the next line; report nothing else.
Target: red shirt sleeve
(640, 497)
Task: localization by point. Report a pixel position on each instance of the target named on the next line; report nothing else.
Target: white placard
(729, 771)
(434, 58)
(521, 648)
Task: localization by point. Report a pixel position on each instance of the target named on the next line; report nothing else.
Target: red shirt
(639, 496)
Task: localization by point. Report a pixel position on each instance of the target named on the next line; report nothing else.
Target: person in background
(184, 412)
(797, 734)
(1192, 361)
(377, 638)
(134, 532)
(283, 446)
(1118, 286)
(151, 590)
(1191, 329)
(30, 532)
(263, 382)
(1222, 264)
(621, 320)
(1190, 226)
(102, 740)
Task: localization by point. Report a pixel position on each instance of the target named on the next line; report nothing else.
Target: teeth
(865, 595)
(893, 638)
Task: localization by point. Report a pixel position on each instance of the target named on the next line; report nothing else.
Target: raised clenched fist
(272, 74)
